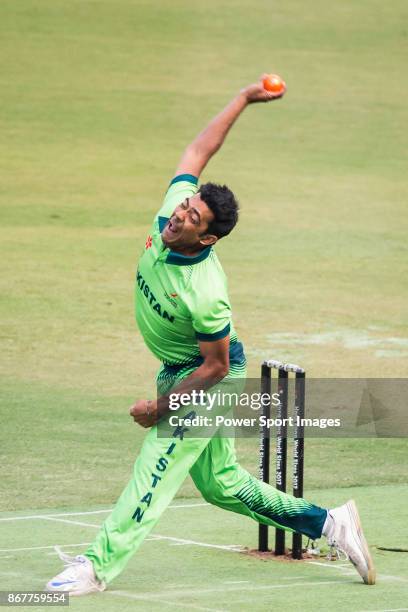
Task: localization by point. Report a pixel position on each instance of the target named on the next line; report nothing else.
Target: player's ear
(208, 239)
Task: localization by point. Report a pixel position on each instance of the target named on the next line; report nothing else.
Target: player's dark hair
(223, 204)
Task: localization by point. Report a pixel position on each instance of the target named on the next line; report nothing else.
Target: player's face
(187, 227)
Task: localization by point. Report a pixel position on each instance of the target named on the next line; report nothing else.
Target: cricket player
(184, 315)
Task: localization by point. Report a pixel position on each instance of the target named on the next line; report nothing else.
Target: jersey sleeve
(211, 315)
(181, 187)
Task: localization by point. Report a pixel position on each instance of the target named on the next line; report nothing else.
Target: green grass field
(205, 566)
(98, 100)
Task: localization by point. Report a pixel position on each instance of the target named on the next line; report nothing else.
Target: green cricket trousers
(159, 471)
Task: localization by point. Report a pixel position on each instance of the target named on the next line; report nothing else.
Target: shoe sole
(74, 593)
(371, 575)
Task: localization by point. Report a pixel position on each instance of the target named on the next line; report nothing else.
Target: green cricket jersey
(180, 299)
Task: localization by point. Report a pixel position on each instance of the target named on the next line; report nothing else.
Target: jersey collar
(183, 260)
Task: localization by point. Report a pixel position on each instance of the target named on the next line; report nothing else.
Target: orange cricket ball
(273, 83)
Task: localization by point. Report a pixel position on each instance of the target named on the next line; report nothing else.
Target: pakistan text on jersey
(145, 289)
(161, 466)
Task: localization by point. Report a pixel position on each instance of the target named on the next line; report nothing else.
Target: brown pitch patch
(269, 555)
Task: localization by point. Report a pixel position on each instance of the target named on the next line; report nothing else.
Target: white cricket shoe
(345, 533)
(78, 577)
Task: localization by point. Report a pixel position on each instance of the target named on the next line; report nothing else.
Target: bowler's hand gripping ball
(273, 83)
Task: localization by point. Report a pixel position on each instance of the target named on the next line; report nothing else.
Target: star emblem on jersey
(172, 298)
(148, 242)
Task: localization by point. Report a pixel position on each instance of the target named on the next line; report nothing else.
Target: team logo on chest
(149, 242)
(172, 298)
